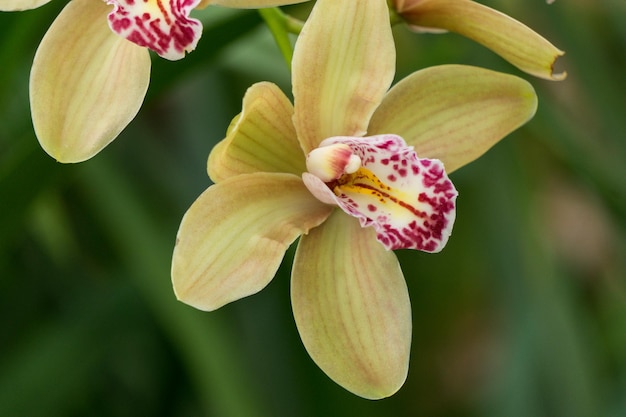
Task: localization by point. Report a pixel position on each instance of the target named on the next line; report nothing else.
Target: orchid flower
(507, 37)
(88, 81)
(354, 169)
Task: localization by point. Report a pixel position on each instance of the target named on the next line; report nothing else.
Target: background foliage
(523, 314)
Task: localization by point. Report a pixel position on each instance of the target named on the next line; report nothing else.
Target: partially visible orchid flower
(507, 37)
(354, 169)
(88, 81)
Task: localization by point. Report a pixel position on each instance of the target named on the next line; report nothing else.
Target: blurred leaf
(204, 343)
(549, 368)
(48, 373)
(25, 171)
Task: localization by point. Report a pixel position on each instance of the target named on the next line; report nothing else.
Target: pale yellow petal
(351, 306)
(232, 239)
(16, 5)
(86, 83)
(248, 4)
(261, 138)
(455, 113)
(343, 63)
(507, 37)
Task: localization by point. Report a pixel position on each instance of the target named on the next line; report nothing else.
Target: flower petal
(352, 308)
(17, 5)
(261, 138)
(161, 25)
(249, 4)
(343, 63)
(233, 238)
(454, 113)
(409, 201)
(86, 83)
(507, 37)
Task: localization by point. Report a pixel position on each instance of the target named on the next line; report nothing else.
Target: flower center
(341, 170)
(363, 181)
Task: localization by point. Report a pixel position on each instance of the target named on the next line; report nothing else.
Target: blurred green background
(523, 314)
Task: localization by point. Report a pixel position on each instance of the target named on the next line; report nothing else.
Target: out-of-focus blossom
(507, 37)
(88, 81)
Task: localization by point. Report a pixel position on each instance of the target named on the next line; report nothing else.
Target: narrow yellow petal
(261, 138)
(16, 5)
(507, 37)
(343, 63)
(86, 83)
(233, 238)
(455, 113)
(352, 308)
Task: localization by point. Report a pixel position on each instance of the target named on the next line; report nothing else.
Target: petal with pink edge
(409, 201)
(161, 25)
(343, 64)
(232, 239)
(454, 113)
(86, 83)
(351, 306)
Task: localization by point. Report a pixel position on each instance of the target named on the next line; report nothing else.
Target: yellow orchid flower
(88, 81)
(340, 169)
(507, 37)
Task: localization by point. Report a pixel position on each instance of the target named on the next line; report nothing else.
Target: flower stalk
(280, 25)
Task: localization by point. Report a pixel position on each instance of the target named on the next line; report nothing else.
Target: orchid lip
(381, 181)
(163, 26)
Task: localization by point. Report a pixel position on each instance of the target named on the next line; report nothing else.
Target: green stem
(281, 25)
(293, 25)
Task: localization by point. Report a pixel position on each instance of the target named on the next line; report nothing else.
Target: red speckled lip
(409, 201)
(161, 25)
